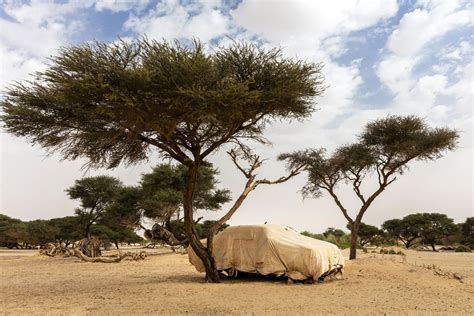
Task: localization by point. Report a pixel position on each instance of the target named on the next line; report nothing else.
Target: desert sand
(165, 283)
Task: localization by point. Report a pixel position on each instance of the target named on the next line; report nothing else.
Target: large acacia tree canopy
(109, 102)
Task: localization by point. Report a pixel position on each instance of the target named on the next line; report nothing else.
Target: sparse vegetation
(391, 252)
(462, 248)
(332, 235)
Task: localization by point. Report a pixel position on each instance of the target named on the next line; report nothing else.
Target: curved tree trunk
(212, 275)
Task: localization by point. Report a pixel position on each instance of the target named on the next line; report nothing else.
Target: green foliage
(467, 230)
(121, 235)
(204, 227)
(39, 232)
(462, 248)
(162, 191)
(67, 229)
(160, 197)
(407, 230)
(12, 231)
(95, 195)
(124, 209)
(332, 235)
(436, 227)
(403, 138)
(428, 228)
(369, 234)
(103, 232)
(113, 102)
(333, 231)
(391, 252)
(315, 236)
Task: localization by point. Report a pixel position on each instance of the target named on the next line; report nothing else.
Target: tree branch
(339, 204)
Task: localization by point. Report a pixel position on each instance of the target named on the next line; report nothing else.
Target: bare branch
(339, 204)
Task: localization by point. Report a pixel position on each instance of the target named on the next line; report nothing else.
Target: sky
(381, 57)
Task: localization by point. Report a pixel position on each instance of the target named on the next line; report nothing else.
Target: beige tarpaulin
(272, 249)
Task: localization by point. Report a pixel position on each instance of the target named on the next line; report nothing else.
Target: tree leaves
(114, 102)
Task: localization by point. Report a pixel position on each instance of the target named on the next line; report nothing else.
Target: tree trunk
(88, 231)
(212, 275)
(354, 233)
(406, 243)
(433, 246)
(116, 245)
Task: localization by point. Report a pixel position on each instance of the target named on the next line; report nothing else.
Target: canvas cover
(272, 249)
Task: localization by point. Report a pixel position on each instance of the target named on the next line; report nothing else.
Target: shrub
(462, 248)
(391, 252)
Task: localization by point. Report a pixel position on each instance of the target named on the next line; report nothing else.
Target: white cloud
(33, 31)
(419, 27)
(283, 20)
(121, 5)
(317, 31)
(395, 72)
(419, 93)
(172, 20)
(457, 53)
(16, 64)
(415, 30)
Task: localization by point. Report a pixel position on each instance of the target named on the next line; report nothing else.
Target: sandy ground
(166, 283)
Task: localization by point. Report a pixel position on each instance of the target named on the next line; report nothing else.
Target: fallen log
(52, 250)
(134, 255)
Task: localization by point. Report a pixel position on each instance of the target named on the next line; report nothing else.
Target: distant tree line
(15, 233)
(418, 229)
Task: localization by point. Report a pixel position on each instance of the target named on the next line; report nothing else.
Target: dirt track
(167, 284)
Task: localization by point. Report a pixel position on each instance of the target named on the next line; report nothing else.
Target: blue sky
(382, 57)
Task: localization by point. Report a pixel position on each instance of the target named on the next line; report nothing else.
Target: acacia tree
(159, 197)
(435, 227)
(384, 149)
(12, 232)
(368, 234)
(114, 103)
(163, 192)
(95, 194)
(467, 231)
(406, 230)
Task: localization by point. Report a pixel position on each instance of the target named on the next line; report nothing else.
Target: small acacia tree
(436, 226)
(368, 234)
(406, 230)
(384, 148)
(113, 103)
(95, 195)
(163, 192)
(159, 197)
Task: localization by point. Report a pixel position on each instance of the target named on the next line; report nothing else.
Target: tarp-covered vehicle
(272, 249)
